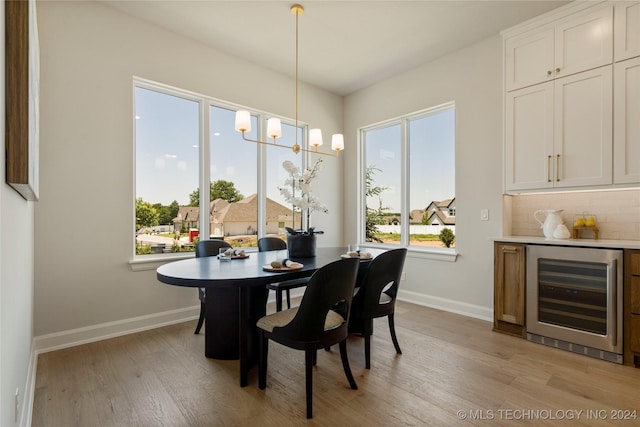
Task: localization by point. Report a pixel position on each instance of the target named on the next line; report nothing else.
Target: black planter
(301, 245)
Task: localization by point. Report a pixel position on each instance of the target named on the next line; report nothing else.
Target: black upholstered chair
(207, 248)
(318, 322)
(277, 244)
(376, 297)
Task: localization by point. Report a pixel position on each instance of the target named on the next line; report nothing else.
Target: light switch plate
(484, 214)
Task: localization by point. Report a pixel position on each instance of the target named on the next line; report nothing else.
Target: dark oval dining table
(236, 297)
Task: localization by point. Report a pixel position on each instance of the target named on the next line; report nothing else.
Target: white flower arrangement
(298, 192)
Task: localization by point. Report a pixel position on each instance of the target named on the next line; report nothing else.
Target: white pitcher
(551, 222)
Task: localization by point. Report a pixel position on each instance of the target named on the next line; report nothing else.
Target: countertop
(588, 243)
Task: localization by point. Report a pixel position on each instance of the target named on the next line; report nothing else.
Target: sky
(167, 150)
(167, 153)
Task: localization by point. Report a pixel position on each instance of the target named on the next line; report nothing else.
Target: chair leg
(392, 328)
(201, 319)
(288, 299)
(308, 373)
(367, 351)
(262, 362)
(315, 357)
(345, 364)
(278, 300)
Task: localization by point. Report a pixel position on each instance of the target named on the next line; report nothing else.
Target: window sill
(447, 255)
(151, 262)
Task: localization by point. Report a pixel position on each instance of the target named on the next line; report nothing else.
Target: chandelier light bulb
(243, 121)
(274, 129)
(315, 137)
(337, 142)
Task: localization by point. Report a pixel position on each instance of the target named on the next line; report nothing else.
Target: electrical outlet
(16, 410)
(484, 214)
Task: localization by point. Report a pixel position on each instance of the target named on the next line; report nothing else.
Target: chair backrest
(330, 288)
(271, 244)
(383, 275)
(210, 247)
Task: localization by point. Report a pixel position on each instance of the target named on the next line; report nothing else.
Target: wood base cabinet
(509, 292)
(632, 307)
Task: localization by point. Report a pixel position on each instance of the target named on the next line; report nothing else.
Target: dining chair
(277, 244)
(376, 297)
(207, 248)
(320, 321)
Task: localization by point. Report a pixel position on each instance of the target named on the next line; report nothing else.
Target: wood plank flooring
(453, 371)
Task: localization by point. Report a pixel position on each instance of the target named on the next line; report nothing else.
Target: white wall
(471, 77)
(89, 54)
(16, 281)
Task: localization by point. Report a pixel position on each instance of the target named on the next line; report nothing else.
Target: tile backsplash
(617, 212)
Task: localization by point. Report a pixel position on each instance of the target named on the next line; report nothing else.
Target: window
(195, 176)
(233, 197)
(409, 179)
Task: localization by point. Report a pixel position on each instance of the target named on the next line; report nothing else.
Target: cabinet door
(627, 30)
(529, 59)
(529, 137)
(583, 128)
(509, 283)
(626, 149)
(584, 42)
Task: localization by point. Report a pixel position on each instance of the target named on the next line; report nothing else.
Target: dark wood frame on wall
(21, 98)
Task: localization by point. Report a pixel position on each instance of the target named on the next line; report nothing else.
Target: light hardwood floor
(451, 363)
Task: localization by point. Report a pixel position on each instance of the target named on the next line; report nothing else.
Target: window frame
(151, 261)
(442, 254)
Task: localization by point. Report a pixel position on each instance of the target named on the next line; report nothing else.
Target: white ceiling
(344, 45)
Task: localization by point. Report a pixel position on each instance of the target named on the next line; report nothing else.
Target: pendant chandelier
(274, 129)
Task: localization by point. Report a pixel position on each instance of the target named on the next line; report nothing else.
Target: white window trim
(439, 254)
(151, 261)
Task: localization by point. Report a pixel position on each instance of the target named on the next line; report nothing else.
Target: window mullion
(404, 180)
(361, 200)
(205, 168)
(262, 178)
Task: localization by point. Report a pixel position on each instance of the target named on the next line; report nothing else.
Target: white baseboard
(463, 308)
(73, 337)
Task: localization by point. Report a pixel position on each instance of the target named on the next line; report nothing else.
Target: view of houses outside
(234, 222)
(167, 141)
(425, 142)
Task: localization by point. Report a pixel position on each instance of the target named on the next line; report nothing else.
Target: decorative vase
(301, 245)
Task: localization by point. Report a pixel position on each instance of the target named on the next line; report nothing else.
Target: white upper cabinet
(529, 59)
(627, 122)
(583, 129)
(579, 42)
(559, 134)
(529, 138)
(627, 30)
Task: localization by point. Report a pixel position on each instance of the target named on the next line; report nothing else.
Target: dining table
(236, 296)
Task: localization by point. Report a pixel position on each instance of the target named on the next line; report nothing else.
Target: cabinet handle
(558, 167)
(549, 168)
(509, 250)
(549, 72)
(557, 70)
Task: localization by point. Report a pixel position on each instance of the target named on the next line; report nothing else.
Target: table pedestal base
(231, 333)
